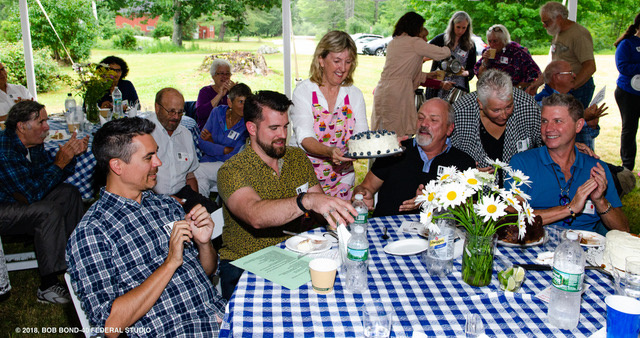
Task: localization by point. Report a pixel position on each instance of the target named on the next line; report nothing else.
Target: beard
(271, 150)
(553, 29)
(424, 137)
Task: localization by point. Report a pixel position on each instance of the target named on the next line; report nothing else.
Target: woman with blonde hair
(327, 109)
(394, 107)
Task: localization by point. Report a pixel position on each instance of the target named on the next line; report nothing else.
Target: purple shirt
(515, 61)
(203, 105)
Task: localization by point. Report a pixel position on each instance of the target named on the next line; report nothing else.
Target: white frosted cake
(373, 143)
(619, 245)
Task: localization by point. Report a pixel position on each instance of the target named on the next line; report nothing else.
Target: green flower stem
(477, 260)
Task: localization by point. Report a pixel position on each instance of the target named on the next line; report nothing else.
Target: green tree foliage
(125, 39)
(264, 22)
(163, 28)
(47, 72)
(73, 21)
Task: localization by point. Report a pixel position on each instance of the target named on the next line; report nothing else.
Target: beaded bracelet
(606, 211)
(573, 214)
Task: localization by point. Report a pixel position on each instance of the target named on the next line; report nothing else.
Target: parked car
(376, 47)
(363, 41)
(358, 36)
(480, 45)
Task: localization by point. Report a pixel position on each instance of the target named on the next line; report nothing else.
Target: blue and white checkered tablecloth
(85, 167)
(435, 306)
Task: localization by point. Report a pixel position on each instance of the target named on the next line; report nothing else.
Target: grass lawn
(151, 72)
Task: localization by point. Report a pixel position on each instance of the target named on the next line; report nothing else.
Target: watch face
(635, 82)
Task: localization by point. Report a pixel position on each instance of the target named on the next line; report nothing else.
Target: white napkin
(343, 239)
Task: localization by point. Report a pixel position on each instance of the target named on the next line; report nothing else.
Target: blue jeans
(585, 93)
(229, 277)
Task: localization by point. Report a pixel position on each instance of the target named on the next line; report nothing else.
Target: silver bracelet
(606, 211)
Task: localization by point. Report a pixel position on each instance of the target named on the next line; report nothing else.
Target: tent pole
(28, 50)
(286, 45)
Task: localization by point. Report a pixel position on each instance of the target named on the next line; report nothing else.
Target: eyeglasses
(117, 70)
(172, 111)
(223, 74)
(565, 73)
(564, 201)
(496, 29)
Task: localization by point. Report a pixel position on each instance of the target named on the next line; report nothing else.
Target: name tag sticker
(553, 48)
(589, 208)
(302, 188)
(233, 135)
(169, 227)
(523, 145)
(183, 156)
(638, 49)
(462, 53)
(504, 60)
(440, 170)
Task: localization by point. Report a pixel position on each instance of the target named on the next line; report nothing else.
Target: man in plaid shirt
(33, 199)
(139, 265)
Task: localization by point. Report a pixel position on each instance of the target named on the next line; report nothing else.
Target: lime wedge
(518, 274)
(511, 284)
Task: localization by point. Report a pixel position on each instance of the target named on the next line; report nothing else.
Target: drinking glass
(632, 277)
(376, 321)
(473, 327)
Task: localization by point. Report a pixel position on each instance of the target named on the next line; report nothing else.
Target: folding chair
(82, 316)
(21, 261)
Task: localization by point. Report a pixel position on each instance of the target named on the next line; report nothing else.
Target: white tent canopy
(287, 35)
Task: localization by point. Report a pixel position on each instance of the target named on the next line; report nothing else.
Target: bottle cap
(358, 229)
(358, 197)
(572, 235)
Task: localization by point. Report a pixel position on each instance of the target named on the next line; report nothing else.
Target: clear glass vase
(477, 259)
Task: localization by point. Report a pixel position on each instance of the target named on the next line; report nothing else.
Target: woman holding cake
(327, 109)
(394, 108)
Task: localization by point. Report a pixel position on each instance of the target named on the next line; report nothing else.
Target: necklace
(564, 196)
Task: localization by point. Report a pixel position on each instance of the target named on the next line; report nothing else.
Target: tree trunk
(223, 28)
(177, 24)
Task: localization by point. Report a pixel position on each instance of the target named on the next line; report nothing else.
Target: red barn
(146, 24)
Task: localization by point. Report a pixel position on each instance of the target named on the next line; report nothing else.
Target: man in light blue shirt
(569, 188)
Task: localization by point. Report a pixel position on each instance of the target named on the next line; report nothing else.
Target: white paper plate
(590, 238)
(64, 133)
(292, 244)
(406, 247)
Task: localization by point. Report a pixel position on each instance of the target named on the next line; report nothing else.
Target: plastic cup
(440, 75)
(323, 274)
(492, 53)
(376, 322)
(632, 277)
(623, 316)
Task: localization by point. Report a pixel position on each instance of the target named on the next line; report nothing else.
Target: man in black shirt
(398, 178)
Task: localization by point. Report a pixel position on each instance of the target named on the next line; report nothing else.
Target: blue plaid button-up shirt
(31, 179)
(118, 244)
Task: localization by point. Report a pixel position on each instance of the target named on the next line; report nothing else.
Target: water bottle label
(440, 248)
(117, 101)
(438, 243)
(361, 218)
(357, 254)
(570, 282)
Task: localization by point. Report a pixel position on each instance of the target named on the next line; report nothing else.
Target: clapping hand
(200, 223)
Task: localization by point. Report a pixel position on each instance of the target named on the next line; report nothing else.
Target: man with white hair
(396, 178)
(496, 121)
(572, 43)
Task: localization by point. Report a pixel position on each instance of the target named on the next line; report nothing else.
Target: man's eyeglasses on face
(172, 111)
(223, 74)
(117, 70)
(565, 73)
(496, 29)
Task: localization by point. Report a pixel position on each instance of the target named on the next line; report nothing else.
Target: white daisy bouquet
(473, 199)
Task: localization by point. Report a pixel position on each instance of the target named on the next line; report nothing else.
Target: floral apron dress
(333, 130)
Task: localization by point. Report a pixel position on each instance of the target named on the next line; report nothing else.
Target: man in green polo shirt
(268, 187)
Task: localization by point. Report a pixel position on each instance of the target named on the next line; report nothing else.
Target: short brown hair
(576, 111)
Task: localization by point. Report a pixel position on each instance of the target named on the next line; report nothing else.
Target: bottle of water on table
(69, 104)
(363, 212)
(439, 255)
(357, 256)
(568, 276)
(116, 96)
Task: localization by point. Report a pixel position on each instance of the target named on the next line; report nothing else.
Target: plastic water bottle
(357, 256)
(439, 255)
(568, 276)
(116, 96)
(363, 212)
(69, 104)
